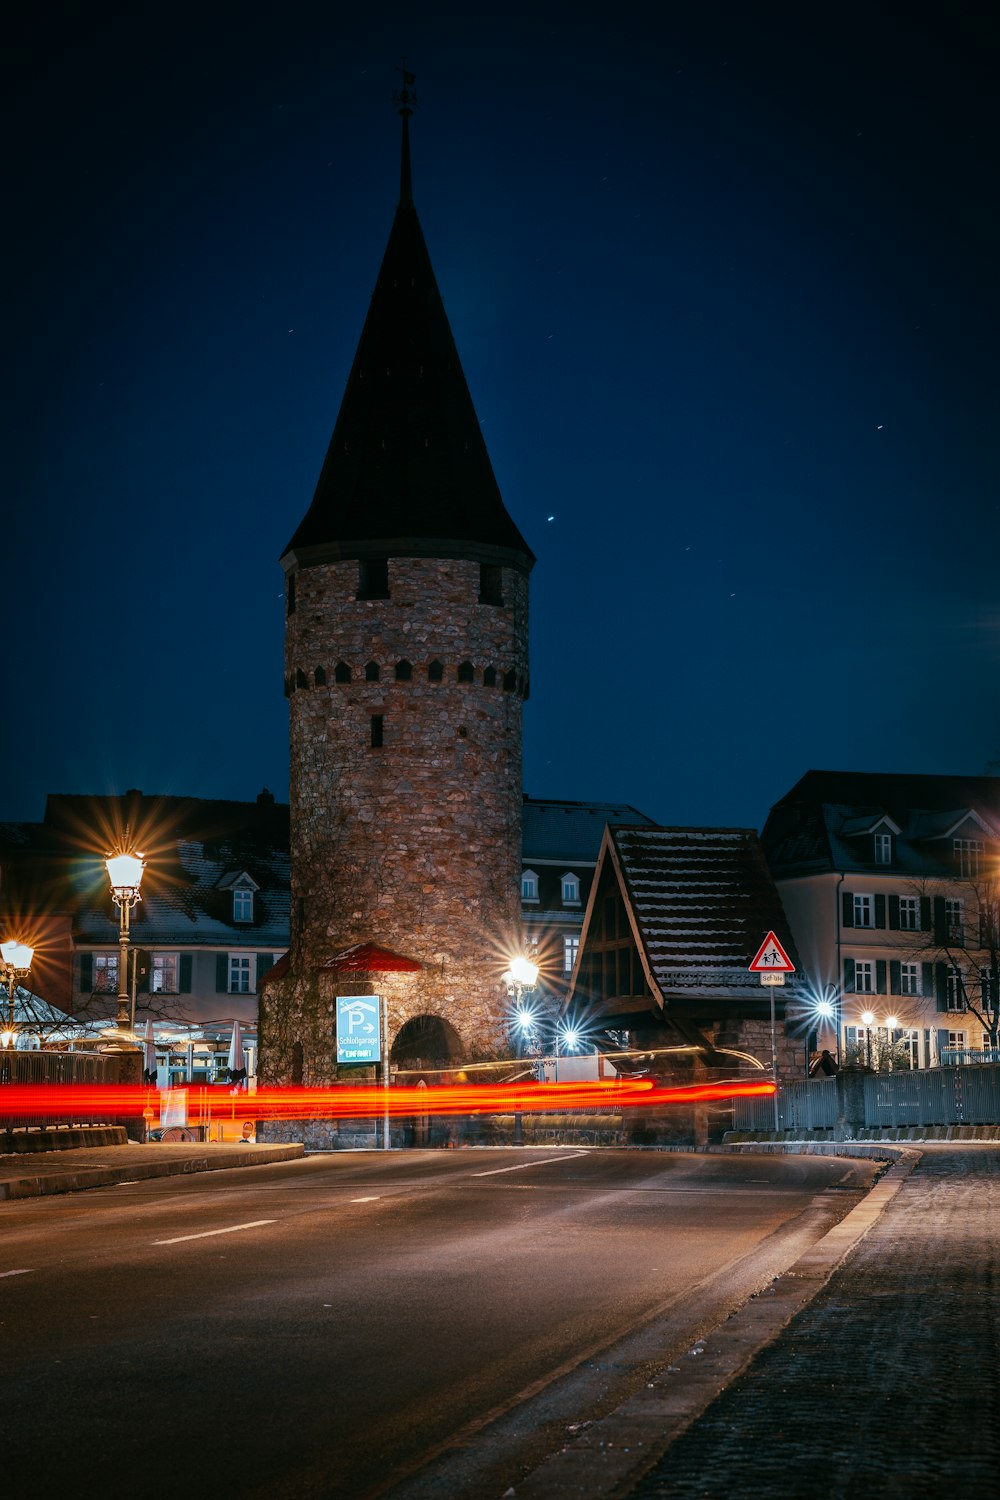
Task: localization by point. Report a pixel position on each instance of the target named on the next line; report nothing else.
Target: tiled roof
(816, 825)
(704, 901)
(190, 843)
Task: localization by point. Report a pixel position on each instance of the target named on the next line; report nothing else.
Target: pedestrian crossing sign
(771, 958)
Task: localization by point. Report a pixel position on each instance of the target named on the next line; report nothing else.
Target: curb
(613, 1454)
(71, 1180)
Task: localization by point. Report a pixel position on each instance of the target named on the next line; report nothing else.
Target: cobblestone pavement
(888, 1382)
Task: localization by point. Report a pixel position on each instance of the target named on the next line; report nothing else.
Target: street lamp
(868, 1016)
(16, 958)
(519, 980)
(125, 873)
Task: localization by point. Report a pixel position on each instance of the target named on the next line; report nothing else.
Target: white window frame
(954, 992)
(909, 906)
(957, 1042)
(864, 967)
(243, 903)
(954, 920)
(968, 854)
(529, 885)
(909, 979)
(242, 966)
(165, 974)
(883, 848)
(909, 1039)
(570, 886)
(571, 947)
(107, 966)
(864, 907)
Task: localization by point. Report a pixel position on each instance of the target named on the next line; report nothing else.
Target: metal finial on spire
(405, 100)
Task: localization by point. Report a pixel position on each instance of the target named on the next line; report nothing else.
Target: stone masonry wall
(414, 845)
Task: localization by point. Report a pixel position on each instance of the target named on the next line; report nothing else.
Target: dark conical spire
(407, 470)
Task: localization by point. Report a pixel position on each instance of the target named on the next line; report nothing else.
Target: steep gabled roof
(703, 902)
(407, 472)
(700, 902)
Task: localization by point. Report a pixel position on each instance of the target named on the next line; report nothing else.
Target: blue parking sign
(359, 1038)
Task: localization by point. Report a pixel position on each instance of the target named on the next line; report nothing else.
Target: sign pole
(385, 1071)
(772, 964)
(774, 1058)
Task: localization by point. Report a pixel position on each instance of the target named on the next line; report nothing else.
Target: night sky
(724, 285)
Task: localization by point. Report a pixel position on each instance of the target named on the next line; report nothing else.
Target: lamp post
(125, 874)
(868, 1017)
(519, 980)
(16, 959)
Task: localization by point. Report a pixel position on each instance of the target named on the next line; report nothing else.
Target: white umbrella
(149, 1068)
(237, 1060)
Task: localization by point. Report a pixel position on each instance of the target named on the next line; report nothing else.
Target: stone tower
(406, 665)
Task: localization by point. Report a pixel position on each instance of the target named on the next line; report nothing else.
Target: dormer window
(243, 904)
(968, 857)
(529, 885)
(883, 848)
(570, 889)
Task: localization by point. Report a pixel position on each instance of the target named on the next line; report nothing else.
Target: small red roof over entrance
(368, 958)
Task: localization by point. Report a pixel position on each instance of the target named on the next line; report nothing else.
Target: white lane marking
(26, 1272)
(207, 1233)
(523, 1166)
(365, 1200)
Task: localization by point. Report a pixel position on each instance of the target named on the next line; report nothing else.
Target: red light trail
(79, 1101)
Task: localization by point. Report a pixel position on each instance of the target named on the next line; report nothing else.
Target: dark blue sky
(724, 286)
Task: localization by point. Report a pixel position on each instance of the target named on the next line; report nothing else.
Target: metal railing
(960, 1095)
(809, 1105)
(934, 1096)
(55, 1067)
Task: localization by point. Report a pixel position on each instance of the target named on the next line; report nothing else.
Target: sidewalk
(32, 1176)
(871, 1368)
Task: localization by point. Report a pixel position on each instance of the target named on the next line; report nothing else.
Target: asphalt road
(346, 1325)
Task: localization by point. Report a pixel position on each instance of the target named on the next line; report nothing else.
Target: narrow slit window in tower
(490, 584)
(341, 672)
(319, 677)
(466, 672)
(376, 731)
(489, 677)
(435, 672)
(373, 578)
(404, 671)
(371, 671)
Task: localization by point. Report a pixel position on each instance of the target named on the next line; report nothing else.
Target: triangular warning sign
(772, 958)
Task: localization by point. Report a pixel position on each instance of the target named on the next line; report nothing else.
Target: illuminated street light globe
(867, 1017)
(16, 955)
(892, 1022)
(125, 873)
(522, 973)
